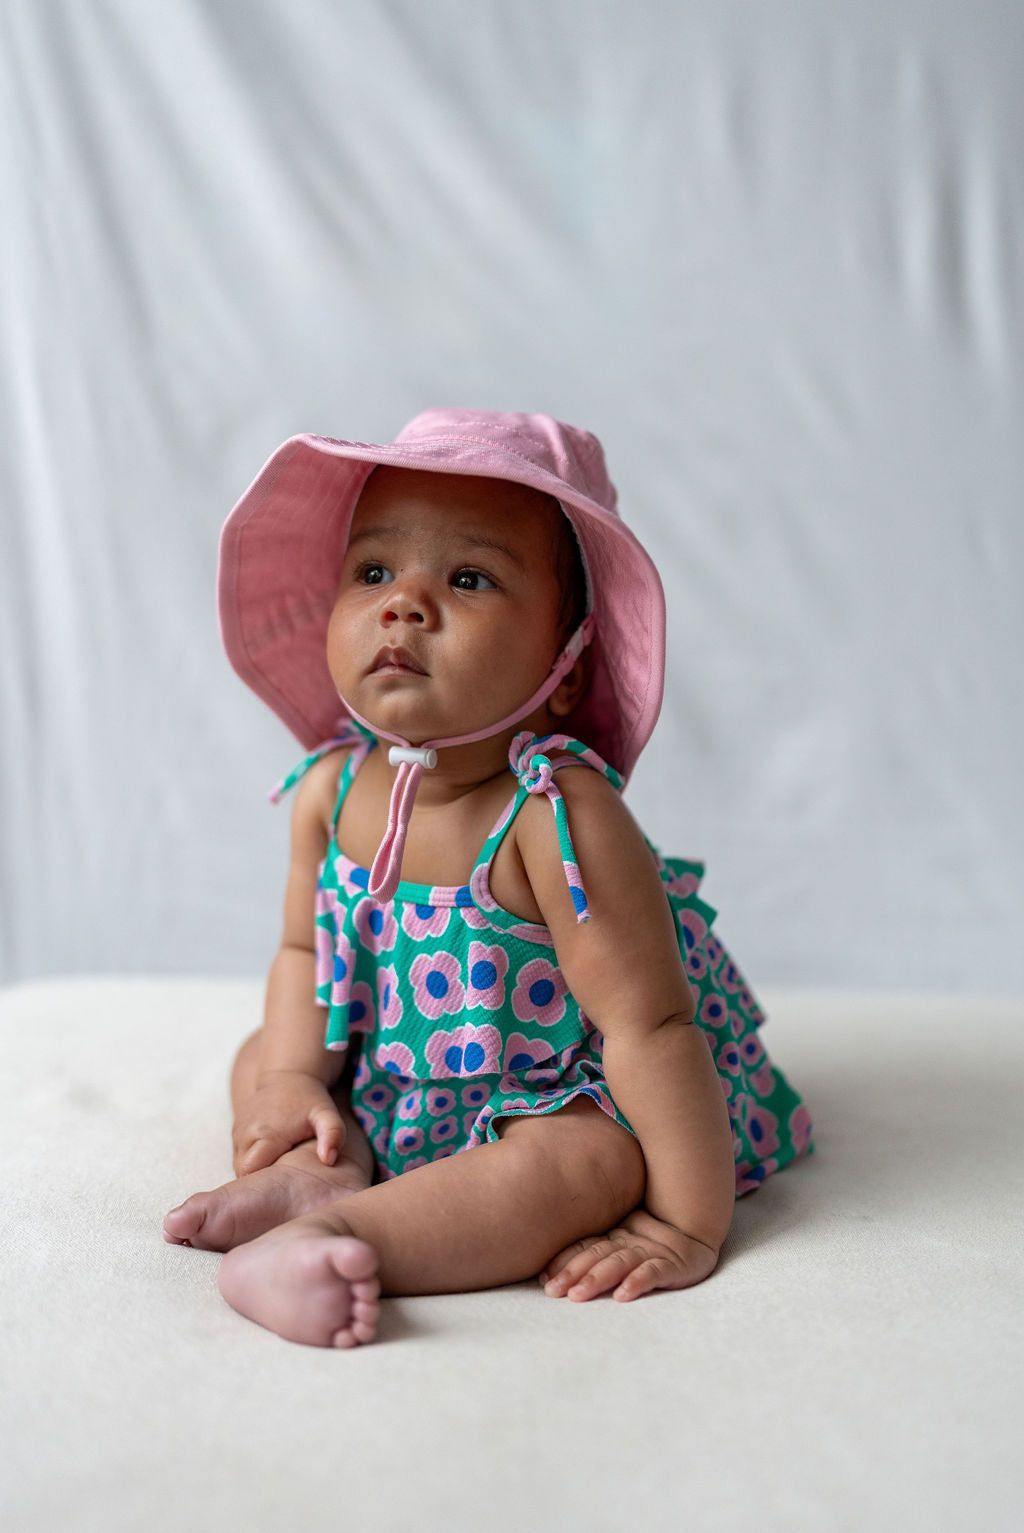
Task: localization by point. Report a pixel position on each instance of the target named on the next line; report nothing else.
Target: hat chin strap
(411, 760)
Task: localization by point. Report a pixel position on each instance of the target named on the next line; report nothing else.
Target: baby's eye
(374, 574)
(472, 580)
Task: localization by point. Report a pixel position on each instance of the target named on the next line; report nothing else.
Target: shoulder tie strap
(351, 734)
(529, 757)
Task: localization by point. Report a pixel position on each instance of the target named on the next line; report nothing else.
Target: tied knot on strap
(529, 763)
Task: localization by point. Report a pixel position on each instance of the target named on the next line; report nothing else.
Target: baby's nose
(406, 606)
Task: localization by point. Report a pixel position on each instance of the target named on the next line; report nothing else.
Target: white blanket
(854, 1363)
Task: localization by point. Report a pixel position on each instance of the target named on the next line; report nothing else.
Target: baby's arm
(291, 1097)
(625, 970)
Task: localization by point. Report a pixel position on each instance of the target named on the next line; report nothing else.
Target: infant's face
(446, 618)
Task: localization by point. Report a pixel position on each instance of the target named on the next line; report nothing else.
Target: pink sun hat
(283, 546)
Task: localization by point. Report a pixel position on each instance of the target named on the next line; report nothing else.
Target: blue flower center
(483, 974)
(473, 1056)
(424, 912)
(437, 984)
(542, 992)
(520, 1061)
(376, 922)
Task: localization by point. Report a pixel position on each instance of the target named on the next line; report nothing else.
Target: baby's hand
(287, 1108)
(638, 1256)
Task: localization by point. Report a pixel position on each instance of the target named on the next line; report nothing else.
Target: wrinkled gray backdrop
(771, 254)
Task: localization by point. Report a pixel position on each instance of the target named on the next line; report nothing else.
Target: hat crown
(566, 452)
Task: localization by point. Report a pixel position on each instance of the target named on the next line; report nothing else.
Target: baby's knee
(585, 1158)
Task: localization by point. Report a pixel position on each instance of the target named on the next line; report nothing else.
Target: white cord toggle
(414, 754)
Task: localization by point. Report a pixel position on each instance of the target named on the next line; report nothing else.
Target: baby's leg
(296, 1183)
(491, 1215)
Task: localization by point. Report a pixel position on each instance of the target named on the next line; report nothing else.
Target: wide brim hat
(283, 546)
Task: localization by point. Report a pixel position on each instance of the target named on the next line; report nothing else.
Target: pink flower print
(750, 1006)
(515, 1104)
(760, 1125)
(602, 1098)
(414, 1165)
(324, 955)
(483, 1121)
(420, 921)
(341, 974)
(697, 964)
(389, 1002)
(763, 1080)
(397, 1058)
(361, 1008)
(714, 1012)
(473, 918)
(444, 1130)
(682, 884)
(692, 927)
(522, 1053)
(714, 950)
(376, 926)
(444, 1152)
(730, 977)
(380, 1142)
(474, 1094)
(540, 993)
(362, 1074)
(470, 1129)
(407, 1140)
(409, 1106)
(437, 987)
(800, 1128)
(728, 1058)
(367, 1121)
(487, 969)
(466, 1050)
(379, 1097)
(748, 1177)
(751, 1050)
(541, 1080)
(440, 1099)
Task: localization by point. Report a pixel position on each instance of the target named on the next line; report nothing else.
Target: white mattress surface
(854, 1364)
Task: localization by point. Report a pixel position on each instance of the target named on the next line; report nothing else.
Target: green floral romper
(464, 1016)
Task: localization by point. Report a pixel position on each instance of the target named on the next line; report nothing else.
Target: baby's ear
(570, 689)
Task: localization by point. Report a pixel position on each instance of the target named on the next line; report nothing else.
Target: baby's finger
(605, 1274)
(579, 1265)
(557, 1263)
(655, 1272)
(330, 1134)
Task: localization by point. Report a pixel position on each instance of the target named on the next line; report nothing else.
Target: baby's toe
(356, 1261)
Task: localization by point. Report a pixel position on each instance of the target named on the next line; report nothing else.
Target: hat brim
(281, 555)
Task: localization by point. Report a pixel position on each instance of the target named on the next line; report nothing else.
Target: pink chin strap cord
(412, 760)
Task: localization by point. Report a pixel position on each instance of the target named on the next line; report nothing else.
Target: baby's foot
(243, 1209)
(307, 1283)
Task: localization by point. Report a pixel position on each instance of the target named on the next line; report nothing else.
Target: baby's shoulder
(317, 791)
(593, 806)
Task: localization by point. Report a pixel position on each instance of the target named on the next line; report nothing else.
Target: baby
(537, 1058)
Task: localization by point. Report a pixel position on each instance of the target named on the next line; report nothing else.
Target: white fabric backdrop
(770, 254)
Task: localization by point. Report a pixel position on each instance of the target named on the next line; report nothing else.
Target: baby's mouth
(393, 660)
